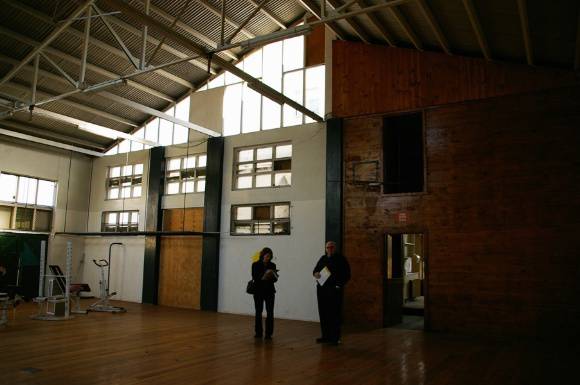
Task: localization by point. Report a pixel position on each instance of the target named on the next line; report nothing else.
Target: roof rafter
(378, 24)
(207, 5)
(253, 83)
(402, 21)
(91, 67)
(476, 25)
(428, 14)
(357, 28)
(270, 15)
(523, 12)
(314, 9)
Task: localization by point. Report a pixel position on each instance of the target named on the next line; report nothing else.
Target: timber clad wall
(501, 214)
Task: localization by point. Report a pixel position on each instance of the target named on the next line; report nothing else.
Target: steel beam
(428, 14)
(117, 38)
(378, 24)
(47, 142)
(402, 21)
(53, 35)
(207, 5)
(187, 43)
(85, 52)
(523, 12)
(314, 9)
(269, 14)
(91, 67)
(356, 27)
(250, 17)
(476, 25)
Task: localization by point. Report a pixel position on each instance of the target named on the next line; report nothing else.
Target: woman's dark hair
(265, 250)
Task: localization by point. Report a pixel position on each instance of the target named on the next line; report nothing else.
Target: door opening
(404, 281)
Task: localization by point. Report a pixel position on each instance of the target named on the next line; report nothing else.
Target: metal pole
(144, 42)
(42, 265)
(67, 279)
(223, 23)
(250, 17)
(35, 79)
(85, 48)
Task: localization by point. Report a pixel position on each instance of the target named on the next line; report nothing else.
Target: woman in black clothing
(264, 274)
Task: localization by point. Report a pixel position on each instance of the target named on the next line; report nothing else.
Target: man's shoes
(321, 340)
(257, 336)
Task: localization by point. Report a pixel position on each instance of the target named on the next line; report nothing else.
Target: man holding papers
(332, 272)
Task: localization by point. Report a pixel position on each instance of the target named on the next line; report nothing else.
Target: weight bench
(75, 289)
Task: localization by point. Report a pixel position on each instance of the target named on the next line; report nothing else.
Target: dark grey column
(211, 223)
(334, 181)
(153, 222)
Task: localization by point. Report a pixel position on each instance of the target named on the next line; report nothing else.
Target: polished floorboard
(158, 345)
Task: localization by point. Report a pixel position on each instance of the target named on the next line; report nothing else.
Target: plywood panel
(369, 79)
(180, 260)
(315, 46)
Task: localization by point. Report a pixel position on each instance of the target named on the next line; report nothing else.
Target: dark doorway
(20, 255)
(404, 281)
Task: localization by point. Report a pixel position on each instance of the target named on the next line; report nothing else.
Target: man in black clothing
(330, 293)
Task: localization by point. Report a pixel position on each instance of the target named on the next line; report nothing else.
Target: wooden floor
(159, 345)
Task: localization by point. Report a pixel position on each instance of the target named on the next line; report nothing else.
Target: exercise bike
(103, 304)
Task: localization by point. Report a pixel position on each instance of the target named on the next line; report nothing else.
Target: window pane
(262, 228)
(244, 213)
(165, 132)
(137, 191)
(232, 110)
(24, 218)
(201, 160)
(189, 162)
(253, 64)
(264, 180)
(111, 218)
(284, 151)
(264, 153)
(252, 104)
(182, 109)
(179, 134)
(170, 111)
(232, 79)
(114, 172)
(315, 91)
(135, 217)
(246, 155)
(152, 130)
(272, 68)
(126, 192)
(112, 151)
(264, 167)
(113, 193)
(46, 190)
(124, 146)
(138, 169)
(8, 185)
(136, 146)
(201, 185)
(244, 182)
(123, 218)
(245, 168)
(293, 53)
(281, 228)
(283, 179)
(293, 88)
(174, 164)
(272, 112)
(127, 170)
(282, 211)
(243, 229)
(26, 190)
(173, 188)
(188, 187)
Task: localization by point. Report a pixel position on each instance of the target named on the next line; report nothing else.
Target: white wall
(127, 261)
(50, 163)
(294, 254)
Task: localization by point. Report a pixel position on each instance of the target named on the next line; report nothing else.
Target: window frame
(253, 174)
(181, 169)
(117, 223)
(120, 187)
(272, 220)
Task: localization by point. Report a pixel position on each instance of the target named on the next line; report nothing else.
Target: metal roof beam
(110, 49)
(91, 67)
(357, 28)
(250, 17)
(78, 106)
(428, 14)
(53, 35)
(314, 9)
(253, 83)
(207, 5)
(47, 142)
(378, 24)
(523, 12)
(398, 16)
(476, 25)
(270, 15)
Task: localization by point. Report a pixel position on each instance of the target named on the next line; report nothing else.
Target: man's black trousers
(330, 312)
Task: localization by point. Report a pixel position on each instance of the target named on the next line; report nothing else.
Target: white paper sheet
(324, 274)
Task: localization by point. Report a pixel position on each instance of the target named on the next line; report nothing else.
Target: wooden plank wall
(315, 46)
(369, 79)
(500, 214)
(180, 261)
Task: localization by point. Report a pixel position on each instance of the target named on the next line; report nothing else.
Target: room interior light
(98, 130)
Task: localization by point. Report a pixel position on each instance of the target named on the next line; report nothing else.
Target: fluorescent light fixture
(99, 130)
